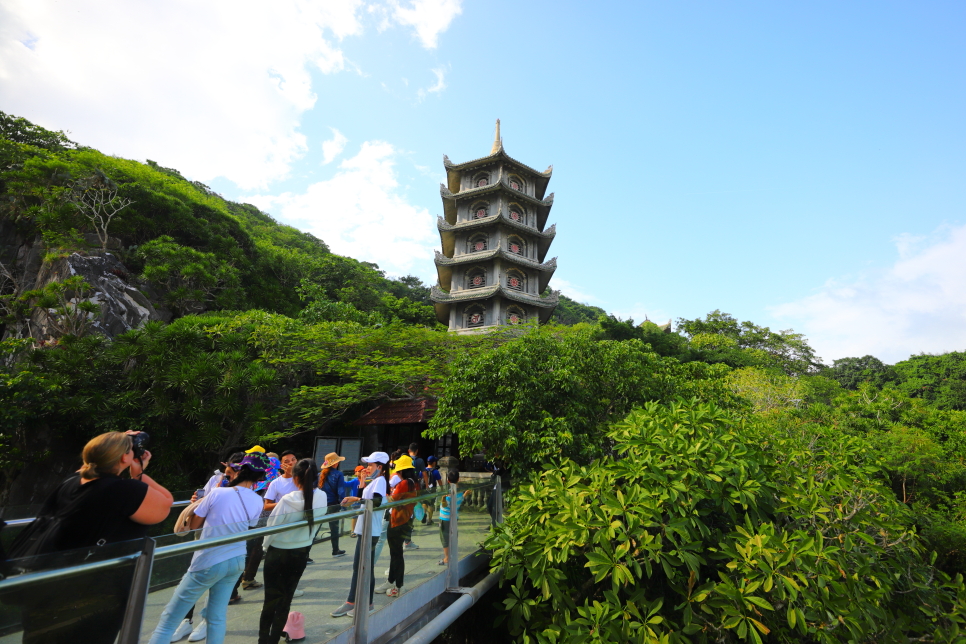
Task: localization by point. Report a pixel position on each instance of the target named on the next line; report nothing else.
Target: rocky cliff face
(125, 302)
(122, 305)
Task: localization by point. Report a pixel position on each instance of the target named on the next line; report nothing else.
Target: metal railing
(137, 598)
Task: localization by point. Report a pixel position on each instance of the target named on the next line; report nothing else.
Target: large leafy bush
(705, 527)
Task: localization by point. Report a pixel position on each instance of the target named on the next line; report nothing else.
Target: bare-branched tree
(97, 199)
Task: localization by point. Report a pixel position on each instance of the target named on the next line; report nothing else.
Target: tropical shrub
(710, 527)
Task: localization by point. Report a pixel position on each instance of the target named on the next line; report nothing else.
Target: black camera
(139, 443)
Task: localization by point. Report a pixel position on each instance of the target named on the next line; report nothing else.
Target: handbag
(182, 526)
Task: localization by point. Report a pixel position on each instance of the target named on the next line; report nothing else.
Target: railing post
(498, 501)
(138, 597)
(360, 621)
(453, 569)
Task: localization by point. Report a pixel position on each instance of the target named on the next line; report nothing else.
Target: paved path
(326, 583)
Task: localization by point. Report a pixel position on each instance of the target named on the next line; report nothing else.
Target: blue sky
(798, 165)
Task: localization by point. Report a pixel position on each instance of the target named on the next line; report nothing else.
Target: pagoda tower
(492, 269)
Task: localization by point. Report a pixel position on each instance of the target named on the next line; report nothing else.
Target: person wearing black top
(105, 508)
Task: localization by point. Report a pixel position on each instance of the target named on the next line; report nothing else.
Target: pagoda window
(517, 213)
(475, 278)
(480, 180)
(476, 244)
(517, 183)
(480, 210)
(516, 246)
(516, 280)
(515, 315)
(475, 316)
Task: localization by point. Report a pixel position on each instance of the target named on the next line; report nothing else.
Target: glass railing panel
(325, 582)
(69, 607)
(421, 559)
(474, 516)
(320, 590)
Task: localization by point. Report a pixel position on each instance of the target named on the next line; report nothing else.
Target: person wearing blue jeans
(218, 580)
(224, 511)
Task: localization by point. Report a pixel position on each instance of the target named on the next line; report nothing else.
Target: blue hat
(430, 459)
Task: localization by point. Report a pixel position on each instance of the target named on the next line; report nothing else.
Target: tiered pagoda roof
(450, 199)
(546, 304)
(447, 231)
(444, 264)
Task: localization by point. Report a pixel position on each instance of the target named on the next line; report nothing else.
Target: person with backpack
(225, 511)
(331, 482)
(434, 480)
(93, 508)
(399, 525)
(287, 553)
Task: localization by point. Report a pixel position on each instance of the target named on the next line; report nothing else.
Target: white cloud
(333, 147)
(361, 213)
(917, 305)
(572, 291)
(214, 88)
(429, 18)
(440, 85)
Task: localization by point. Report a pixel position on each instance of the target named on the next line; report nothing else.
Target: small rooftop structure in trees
(493, 269)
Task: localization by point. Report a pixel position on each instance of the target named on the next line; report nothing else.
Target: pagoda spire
(497, 139)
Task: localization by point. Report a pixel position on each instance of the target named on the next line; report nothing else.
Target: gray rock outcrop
(123, 306)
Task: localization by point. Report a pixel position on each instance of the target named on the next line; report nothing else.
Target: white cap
(376, 457)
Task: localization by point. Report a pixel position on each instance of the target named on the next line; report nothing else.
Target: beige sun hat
(331, 459)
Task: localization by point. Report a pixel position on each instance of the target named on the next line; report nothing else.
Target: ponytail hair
(102, 454)
(306, 473)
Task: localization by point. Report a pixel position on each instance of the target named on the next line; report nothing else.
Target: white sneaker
(298, 593)
(394, 592)
(200, 632)
(384, 587)
(184, 628)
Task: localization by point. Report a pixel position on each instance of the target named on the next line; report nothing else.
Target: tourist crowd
(254, 488)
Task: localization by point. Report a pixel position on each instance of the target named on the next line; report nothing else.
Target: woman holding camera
(225, 511)
(97, 507)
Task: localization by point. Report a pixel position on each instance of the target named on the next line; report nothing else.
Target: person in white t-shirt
(287, 553)
(377, 490)
(225, 511)
(284, 483)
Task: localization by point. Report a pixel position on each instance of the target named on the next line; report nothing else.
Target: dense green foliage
(550, 392)
(204, 386)
(721, 338)
(707, 526)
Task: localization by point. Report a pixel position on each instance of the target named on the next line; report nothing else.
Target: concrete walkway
(326, 583)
